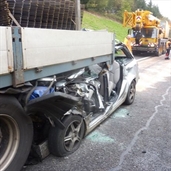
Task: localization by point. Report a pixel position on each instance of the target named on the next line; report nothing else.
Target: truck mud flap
(53, 106)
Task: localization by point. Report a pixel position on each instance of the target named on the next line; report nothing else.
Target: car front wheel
(63, 142)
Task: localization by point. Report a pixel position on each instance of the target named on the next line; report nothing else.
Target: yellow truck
(148, 33)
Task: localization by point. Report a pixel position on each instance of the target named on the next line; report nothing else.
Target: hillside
(96, 22)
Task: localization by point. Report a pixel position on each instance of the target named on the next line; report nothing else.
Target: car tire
(63, 142)
(16, 134)
(131, 93)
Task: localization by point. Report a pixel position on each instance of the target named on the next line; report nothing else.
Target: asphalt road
(134, 138)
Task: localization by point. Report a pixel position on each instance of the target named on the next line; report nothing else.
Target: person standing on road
(168, 47)
(127, 42)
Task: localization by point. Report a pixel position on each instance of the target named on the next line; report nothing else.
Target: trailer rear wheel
(63, 142)
(15, 134)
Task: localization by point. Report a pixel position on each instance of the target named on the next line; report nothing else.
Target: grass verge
(97, 22)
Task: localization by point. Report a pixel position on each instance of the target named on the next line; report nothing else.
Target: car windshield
(120, 51)
(122, 55)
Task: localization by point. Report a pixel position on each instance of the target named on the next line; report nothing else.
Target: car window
(119, 52)
(123, 56)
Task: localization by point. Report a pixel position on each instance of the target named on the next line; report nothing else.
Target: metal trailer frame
(30, 53)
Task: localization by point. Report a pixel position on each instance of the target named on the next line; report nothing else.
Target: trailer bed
(31, 53)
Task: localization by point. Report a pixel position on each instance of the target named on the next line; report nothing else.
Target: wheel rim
(73, 136)
(9, 140)
(132, 92)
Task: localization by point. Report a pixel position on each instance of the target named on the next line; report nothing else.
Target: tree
(101, 4)
(114, 5)
(139, 4)
(84, 1)
(150, 5)
(91, 4)
(155, 11)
